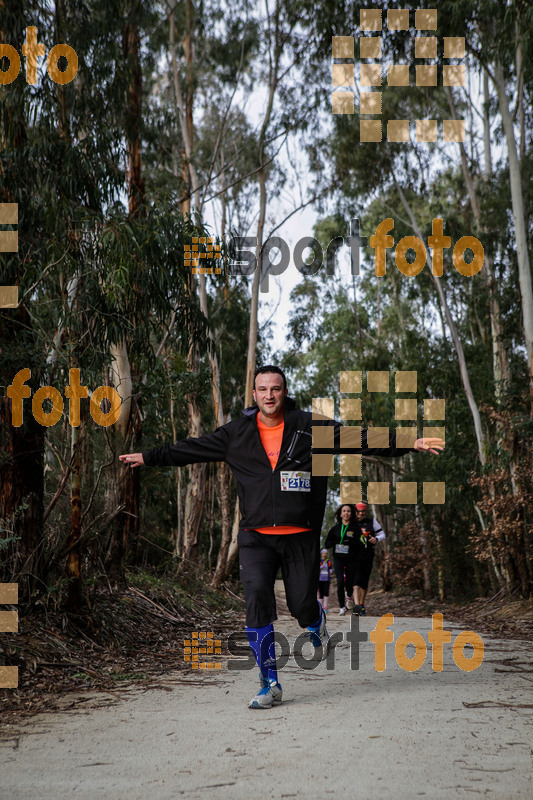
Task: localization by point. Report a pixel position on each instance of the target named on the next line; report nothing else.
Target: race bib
(295, 481)
(342, 549)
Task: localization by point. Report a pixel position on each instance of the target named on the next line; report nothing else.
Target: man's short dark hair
(271, 368)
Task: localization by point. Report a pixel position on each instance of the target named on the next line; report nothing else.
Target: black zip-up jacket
(365, 549)
(287, 495)
(351, 538)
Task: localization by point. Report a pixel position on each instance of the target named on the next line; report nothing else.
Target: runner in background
(324, 579)
(342, 538)
(371, 533)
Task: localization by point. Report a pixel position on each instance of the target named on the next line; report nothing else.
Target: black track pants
(298, 556)
(363, 570)
(344, 572)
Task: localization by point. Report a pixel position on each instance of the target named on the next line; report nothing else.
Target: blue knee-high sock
(317, 624)
(262, 643)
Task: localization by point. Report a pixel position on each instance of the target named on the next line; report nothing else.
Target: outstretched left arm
(429, 445)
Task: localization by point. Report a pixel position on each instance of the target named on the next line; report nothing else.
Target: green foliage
(94, 272)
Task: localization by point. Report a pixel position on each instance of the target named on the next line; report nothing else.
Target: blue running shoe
(362, 612)
(319, 637)
(269, 694)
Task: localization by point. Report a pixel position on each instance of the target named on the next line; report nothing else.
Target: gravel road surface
(342, 732)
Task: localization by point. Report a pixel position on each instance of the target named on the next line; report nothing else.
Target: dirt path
(344, 732)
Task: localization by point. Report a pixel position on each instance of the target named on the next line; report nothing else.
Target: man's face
(269, 393)
(361, 513)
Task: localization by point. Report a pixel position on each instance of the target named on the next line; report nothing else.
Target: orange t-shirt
(271, 438)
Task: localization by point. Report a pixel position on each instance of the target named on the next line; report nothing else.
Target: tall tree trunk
(474, 410)
(21, 495)
(178, 536)
(223, 473)
(73, 545)
(185, 113)
(194, 499)
(524, 271)
(127, 435)
(424, 550)
(22, 448)
(487, 153)
(273, 79)
(135, 183)
(125, 526)
(224, 497)
(500, 361)
(519, 61)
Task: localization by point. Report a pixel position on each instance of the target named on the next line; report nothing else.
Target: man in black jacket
(282, 503)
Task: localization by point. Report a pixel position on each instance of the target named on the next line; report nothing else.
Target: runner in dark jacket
(342, 538)
(282, 506)
(371, 534)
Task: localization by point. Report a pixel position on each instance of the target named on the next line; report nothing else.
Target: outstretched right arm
(211, 447)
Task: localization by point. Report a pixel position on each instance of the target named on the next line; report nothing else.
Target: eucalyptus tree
(91, 275)
(416, 182)
(59, 189)
(207, 53)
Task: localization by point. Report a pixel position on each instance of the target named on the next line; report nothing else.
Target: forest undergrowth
(125, 637)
